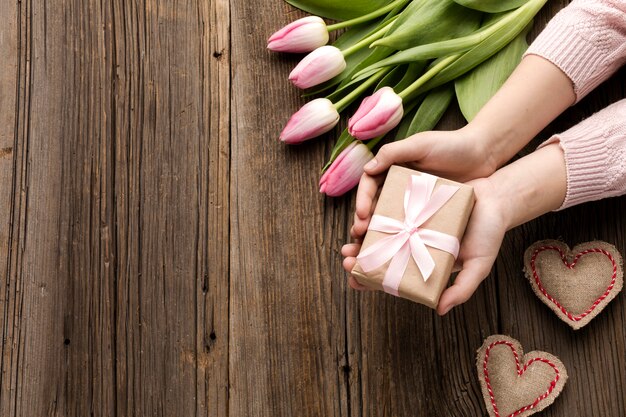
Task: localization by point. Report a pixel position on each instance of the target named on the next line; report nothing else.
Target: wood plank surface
(116, 255)
(287, 291)
(413, 361)
(163, 254)
(170, 123)
(10, 107)
(595, 356)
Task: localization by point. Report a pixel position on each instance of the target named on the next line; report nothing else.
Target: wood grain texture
(115, 260)
(35, 358)
(415, 363)
(170, 122)
(162, 254)
(594, 355)
(10, 303)
(287, 292)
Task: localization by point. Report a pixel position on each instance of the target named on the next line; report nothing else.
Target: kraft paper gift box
(438, 212)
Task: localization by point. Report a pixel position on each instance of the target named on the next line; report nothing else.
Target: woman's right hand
(460, 155)
(532, 97)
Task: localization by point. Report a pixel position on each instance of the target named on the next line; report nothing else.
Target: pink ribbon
(407, 238)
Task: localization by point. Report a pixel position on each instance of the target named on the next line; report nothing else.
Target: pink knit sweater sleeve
(587, 41)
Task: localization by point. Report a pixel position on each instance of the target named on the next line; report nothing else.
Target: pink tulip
(345, 172)
(377, 115)
(314, 118)
(320, 65)
(303, 35)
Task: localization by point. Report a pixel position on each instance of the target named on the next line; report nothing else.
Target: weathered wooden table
(162, 254)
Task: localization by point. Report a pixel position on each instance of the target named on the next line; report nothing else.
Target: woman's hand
(532, 97)
(513, 195)
(479, 247)
(460, 155)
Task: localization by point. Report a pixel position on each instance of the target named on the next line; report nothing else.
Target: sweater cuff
(561, 44)
(585, 154)
(595, 158)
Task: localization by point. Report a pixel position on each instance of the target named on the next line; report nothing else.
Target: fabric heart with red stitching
(576, 284)
(514, 384)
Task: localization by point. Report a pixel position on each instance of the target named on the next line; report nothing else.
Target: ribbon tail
(425, 262)
(396, 269)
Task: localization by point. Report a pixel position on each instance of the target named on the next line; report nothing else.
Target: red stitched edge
(571, 266)
(520, 372)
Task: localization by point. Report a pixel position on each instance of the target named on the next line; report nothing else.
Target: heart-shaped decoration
(576, 284)
(514, 384)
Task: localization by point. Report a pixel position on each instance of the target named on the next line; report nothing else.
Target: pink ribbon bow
(420, 203)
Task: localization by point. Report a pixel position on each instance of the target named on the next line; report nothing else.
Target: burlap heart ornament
(576, 284)
(514, 384)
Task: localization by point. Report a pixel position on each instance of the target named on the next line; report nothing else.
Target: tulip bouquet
(411, 56)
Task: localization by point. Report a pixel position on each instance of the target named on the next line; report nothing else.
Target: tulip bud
(303, 35)
(314, 118)
(345, 172)
(377, 115)
(320, 65)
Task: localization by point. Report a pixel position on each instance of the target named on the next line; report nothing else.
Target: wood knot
(5, 152)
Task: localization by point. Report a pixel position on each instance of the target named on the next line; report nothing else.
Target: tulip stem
(368, 40)
(464, 43)
(348, 99)
(406, 93)
(370, 145)
(367, 17)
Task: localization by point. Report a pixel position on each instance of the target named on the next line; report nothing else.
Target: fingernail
(371, 164)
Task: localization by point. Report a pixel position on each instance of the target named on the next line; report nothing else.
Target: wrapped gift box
(428, 234)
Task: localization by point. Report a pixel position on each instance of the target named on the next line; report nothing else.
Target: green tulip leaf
(429, 112)
(410, 72)
(485, 49)
(491, 6)
(393, 77)
(376, 54)
(492, 23)
(413, 72)
(358, 59)
(474, 89)
(342, 143)
(428, 21)
(409, 113)
(339, 10)
(348, 82)
(354, 34)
